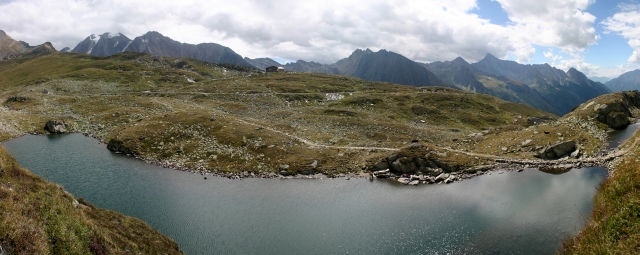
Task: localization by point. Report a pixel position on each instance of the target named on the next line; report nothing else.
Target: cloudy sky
(598, 37)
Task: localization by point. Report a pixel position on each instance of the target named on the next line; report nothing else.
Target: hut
(272, 69)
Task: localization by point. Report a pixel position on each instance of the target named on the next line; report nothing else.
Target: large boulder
(615, 115)
(617, 120)
(56, 126)
(117, 146)
(557, 150)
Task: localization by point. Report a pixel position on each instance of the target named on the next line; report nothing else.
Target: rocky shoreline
(440, 174)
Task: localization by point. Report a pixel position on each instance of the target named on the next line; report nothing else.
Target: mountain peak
(4, 35)
(460, 60)
(490, 57)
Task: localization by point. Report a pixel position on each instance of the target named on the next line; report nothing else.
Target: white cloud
(322, 31)
(627, 24)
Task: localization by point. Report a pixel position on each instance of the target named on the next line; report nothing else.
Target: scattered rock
(56, 126)
(404, 180)
(557, 150)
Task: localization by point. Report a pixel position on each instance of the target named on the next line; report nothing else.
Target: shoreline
(502, 164)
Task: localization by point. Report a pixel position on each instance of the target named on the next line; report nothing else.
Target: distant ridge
(11, 49)
(626, 81)
(156, 44)
(541, 86)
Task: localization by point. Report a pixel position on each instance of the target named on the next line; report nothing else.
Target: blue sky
(611, 50)
(597, 37)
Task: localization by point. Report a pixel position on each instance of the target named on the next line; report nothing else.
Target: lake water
(617, 137)
(530, 212)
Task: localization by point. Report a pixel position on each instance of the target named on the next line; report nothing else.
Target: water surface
(617, 137)
(523, 213)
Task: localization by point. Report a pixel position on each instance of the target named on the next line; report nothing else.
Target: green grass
(614, 227)
(150, 105)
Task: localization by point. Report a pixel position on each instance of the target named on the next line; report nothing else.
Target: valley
(236, 121)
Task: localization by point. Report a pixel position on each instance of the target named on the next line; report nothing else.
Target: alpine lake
(504, 212)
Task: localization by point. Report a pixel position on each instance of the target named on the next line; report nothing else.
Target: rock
(314, 164)
(382, 173)
(400, 167)
(527, 142)
(557, 150)
(414, 183)
(381, 166)
(404, 180)
(56, 126)
(117, 146)
(442, 177)
(576, 154)
(617, 120)
(615, 115)
(434, 171)
(451, 179)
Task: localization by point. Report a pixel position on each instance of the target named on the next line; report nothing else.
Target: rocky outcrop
(557, 150)
(617, 120)
(56, 126)
(117, 146)
(404, 163)
(616, 109)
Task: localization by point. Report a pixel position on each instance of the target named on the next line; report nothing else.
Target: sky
(597, 37)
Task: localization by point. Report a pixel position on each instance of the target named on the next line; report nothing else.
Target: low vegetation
(194, 115)
(614, 226)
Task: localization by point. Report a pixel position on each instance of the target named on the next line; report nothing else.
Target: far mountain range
(541, 86)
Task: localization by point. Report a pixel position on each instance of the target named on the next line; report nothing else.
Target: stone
(527, 142)
(557, 150)
(576, 154)
(56, 126)
(414, 183)
(404, 180)
(381, 166)
(118, 146)
(442, 177)
(617, 120)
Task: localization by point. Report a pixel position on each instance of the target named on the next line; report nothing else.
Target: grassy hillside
(614, 227)
(42, 218)
(191, 114)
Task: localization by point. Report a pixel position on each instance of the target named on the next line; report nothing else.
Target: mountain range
(10, 49)
(626, 81)
(540, 86)
(156, 44)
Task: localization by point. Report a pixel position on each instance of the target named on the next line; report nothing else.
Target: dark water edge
(510, 213)
(617, 137)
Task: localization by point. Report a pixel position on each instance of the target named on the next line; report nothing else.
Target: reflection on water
(528, 212)
(619, 136)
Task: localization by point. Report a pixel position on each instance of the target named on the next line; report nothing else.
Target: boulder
(615, 115)
(56, 126)
(381, 166)
(404, 180)
(557, 150)
(617, 120)
(403, 165)
(117, 146)
(414, 183)
(442, 177)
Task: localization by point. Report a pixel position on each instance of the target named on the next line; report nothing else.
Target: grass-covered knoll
(614, 227)
(38, 217)
(226, 118)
